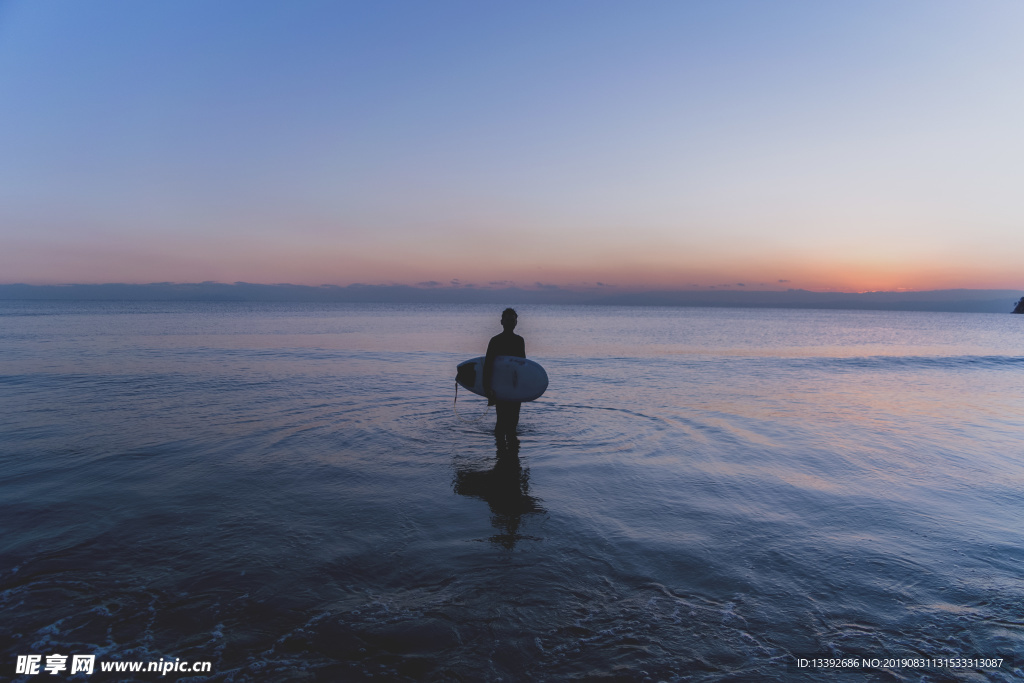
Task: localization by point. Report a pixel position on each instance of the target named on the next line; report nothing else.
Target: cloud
(429, 283)
(550, 288)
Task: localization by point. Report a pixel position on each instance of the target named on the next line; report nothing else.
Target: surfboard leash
(456, 409)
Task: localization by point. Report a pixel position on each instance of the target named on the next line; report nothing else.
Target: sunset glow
(848, 147)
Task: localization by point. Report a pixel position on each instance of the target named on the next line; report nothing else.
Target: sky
(846, 146)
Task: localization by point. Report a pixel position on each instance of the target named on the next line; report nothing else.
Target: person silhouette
(507, 343)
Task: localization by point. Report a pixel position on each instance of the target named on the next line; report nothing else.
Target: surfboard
(515, 379)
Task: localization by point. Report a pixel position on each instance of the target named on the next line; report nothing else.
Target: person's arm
(488, 372)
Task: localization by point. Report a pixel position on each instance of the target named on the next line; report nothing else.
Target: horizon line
(456, 285)
(941, 300)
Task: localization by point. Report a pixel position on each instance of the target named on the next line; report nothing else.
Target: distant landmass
(963, 300)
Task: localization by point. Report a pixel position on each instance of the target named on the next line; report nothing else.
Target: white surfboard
(515, 379)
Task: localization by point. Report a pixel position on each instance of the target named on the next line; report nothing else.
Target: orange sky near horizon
(183, 261)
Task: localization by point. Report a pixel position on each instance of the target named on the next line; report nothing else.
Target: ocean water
(287, 492)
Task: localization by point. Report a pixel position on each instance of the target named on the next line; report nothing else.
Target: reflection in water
(505, 487)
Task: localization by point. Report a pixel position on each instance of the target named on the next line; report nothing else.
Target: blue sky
(867, 145)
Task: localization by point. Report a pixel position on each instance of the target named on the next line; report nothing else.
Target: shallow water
(702, 494)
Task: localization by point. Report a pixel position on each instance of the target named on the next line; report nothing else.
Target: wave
(918, 362)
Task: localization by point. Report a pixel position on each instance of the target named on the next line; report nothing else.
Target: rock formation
(1020, 306)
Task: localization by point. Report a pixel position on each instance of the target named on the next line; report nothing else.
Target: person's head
(509, 318)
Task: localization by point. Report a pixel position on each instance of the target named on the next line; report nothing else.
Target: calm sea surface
(701, 495)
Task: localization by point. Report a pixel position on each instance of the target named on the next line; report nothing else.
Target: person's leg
(501, 423)
(513, 416)
(508, 417)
